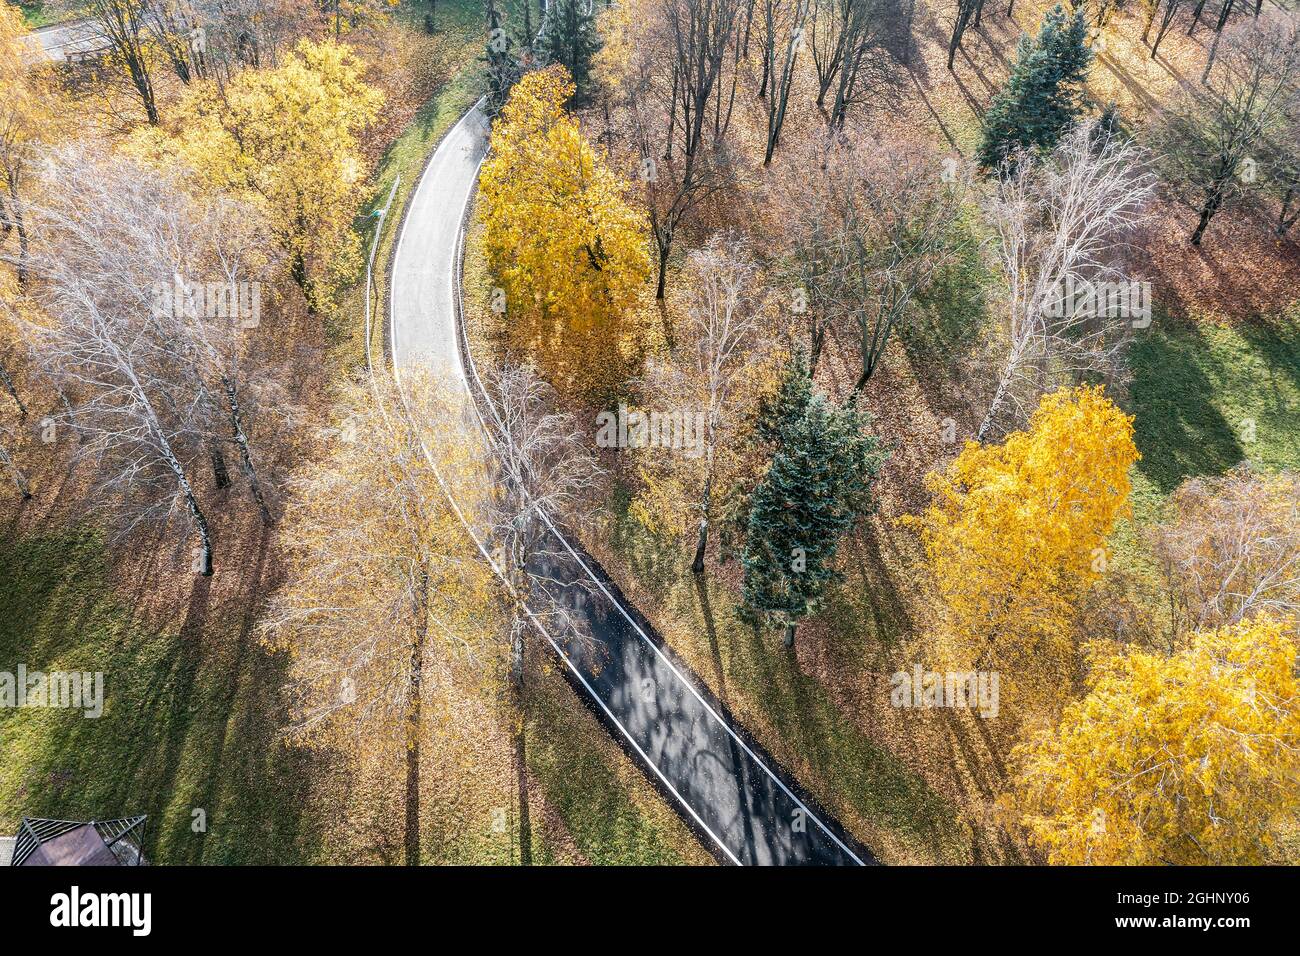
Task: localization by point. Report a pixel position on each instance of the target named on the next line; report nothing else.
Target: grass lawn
(189, 721)
(36, 14)
(1208, 396)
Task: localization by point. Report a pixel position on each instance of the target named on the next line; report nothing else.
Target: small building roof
(69, 843)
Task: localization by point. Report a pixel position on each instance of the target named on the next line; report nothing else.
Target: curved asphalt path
(65, 41)
(741, 805)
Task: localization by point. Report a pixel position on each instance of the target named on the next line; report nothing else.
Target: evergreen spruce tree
(570, 38)
(1043, 96)
(778, 414)
(818, 484)
(502, 68)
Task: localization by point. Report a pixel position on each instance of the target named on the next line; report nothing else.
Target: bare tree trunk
(1207, 213)
(697, 565)
(665, 247)
(414, 705)
(788, 639)
(192, 503)
(143, 84)
(780, 98)
(7, 380)
(20, 479)
(817, 338)
(245, 453)
(1224, 12)
(964, 10)
(999, 396)
(17, 221)
(1288, 213)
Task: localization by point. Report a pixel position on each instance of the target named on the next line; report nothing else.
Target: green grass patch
(1207, 397)
(36, 14)
(189, 721)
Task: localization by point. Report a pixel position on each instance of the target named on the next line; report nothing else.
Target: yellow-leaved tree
(569, 251)
(384, 594)
(286, 139)
(27, 116)
(1018, 530)
(1191, 758)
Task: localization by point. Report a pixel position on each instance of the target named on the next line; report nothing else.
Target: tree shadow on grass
(800, 723)
(1178, 428)
(190, 720)
(572, 760)
(844, 763)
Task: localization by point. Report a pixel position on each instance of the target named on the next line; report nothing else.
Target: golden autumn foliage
(385, 599)
(1018, 530)
(28, 115)
(286, 139)
(1193, 758)
(566, 246)
(381, 571)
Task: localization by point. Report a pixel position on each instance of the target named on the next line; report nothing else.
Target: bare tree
(8, 442)
(121, 25)
(961, 20)
(675, 187)
(1168, 13)
(545, 471)
(1279, 159)
(125, 339)
(721, 348)
(878, 224)
(701, 35)
(784, 22)
(25, 120)
(1061, 224)
(1205, 139)
(663, 108)
(1232, 548)
(874, 34)
(247, 33)
(383, 582)
(1225, 10)
(179, 34)
(211, 316)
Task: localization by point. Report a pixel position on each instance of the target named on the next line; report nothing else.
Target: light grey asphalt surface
(744, 809)
(64, 40)
(425, 264)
